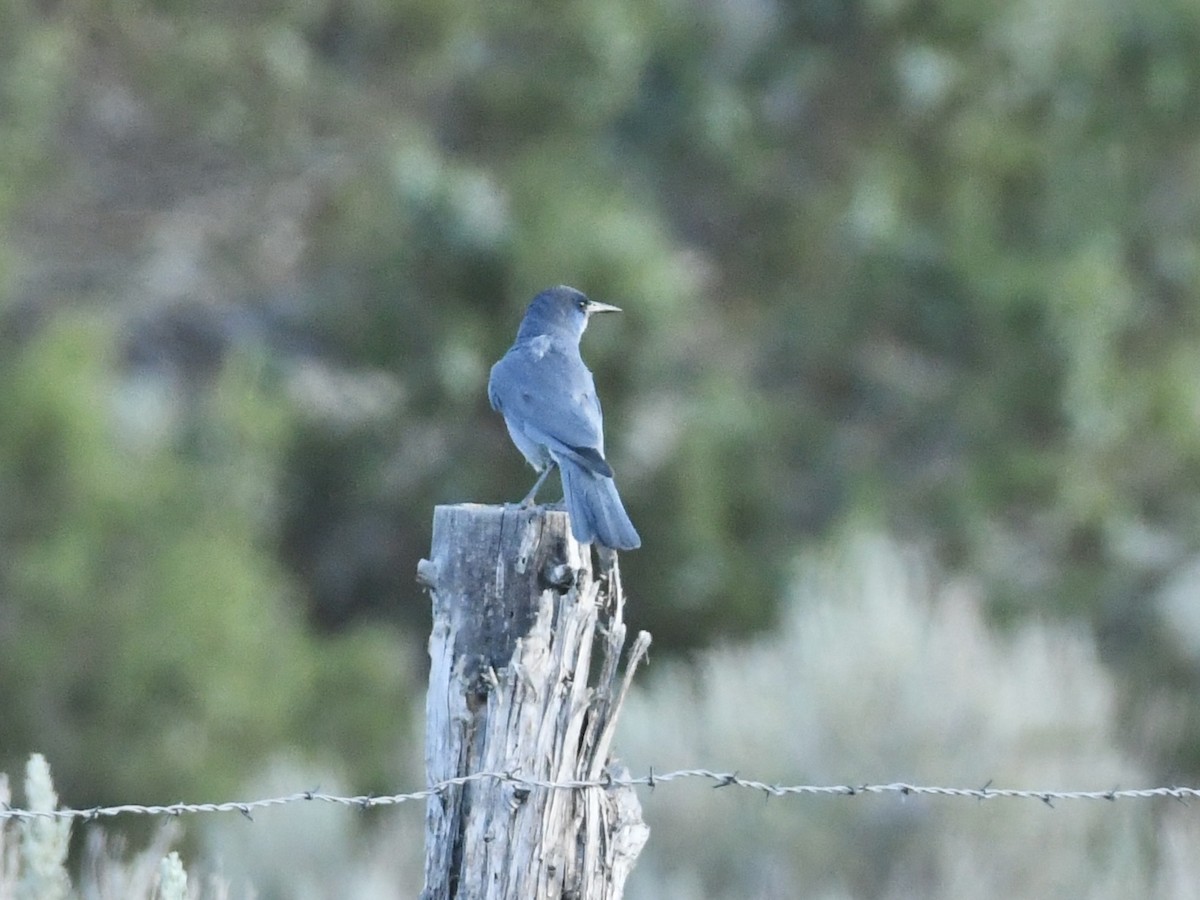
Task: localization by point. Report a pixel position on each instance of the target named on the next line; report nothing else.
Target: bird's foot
(529, 498)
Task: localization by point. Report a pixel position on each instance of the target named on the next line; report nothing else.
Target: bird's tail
(595, 508)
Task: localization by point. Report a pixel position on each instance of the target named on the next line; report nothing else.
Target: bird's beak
(595, 307)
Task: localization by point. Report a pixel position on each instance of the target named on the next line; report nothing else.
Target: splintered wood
(518, 615)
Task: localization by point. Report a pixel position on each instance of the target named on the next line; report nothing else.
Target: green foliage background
(929, 265)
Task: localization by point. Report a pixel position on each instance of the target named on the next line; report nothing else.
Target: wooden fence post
(517, 610)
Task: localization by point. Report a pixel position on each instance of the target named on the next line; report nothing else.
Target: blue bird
(548, 399)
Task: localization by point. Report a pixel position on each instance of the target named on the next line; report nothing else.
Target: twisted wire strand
(650, 780)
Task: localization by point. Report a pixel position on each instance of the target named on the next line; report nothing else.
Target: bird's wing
(551, 394)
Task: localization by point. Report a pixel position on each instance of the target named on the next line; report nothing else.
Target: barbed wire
(651, 780)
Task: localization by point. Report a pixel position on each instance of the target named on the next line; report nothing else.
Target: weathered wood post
(516, 611)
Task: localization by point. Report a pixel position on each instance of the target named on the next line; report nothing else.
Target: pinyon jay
(548, 399)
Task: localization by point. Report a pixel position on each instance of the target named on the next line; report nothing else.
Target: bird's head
(560, 309)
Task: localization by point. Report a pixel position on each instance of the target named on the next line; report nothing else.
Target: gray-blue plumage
(548, 399)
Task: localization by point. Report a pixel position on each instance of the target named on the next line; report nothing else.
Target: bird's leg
(528, 501)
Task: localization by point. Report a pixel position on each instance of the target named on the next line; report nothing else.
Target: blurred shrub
(311, 851)
(149, 640)
(36, 867)
(884, 671)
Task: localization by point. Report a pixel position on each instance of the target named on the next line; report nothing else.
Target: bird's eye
(582, 304)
